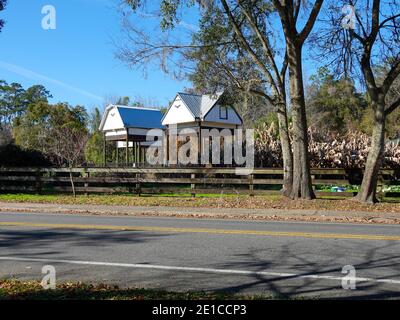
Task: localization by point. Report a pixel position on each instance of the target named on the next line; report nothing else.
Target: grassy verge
(32, 290)
(207, 201)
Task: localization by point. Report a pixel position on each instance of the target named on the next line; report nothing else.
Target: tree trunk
(72, 183)
(302, 186)
(367, 193)
(287, 154)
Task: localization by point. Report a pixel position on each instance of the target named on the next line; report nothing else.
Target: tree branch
(284, 16)
(311, 20)
(393, 107)
(391, 76)
(246, 45)
(265, 44)
(374, 22)
(284, 67)
(382, 24)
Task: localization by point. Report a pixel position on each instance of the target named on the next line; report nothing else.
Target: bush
(13, 156)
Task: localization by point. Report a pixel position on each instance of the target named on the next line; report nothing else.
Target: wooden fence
(173, 180)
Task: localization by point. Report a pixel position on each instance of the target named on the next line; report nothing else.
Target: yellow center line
(202, 230)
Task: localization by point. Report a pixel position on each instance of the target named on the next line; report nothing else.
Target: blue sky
(76, 61)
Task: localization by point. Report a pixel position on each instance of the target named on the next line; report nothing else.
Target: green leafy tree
(373, 42)
(15, 100)
(94, 146)
(59, 131)
(123, 101)
(334, 104)
(12, 98)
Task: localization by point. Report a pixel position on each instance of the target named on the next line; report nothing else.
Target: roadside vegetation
(331, 203)
(345, 115)
(32, 290)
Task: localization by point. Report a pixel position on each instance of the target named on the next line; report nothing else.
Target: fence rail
(175, 180)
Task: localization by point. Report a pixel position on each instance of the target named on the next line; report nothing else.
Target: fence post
(251, 185)
(379, 187)
(38, 181)
(87, 176)
(137, 184)
(193, 185)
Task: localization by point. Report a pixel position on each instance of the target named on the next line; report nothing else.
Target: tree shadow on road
(99, 238)
(372, 259)
(304, 284)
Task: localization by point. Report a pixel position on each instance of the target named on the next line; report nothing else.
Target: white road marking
(203, 270)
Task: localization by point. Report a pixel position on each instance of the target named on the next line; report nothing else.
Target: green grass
(23, 197)
(54, 196)
(32, 290)
(124, 198)
(334, 201)
(392, 188)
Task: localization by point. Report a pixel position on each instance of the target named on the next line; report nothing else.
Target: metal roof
(199, 105)
(134, 117)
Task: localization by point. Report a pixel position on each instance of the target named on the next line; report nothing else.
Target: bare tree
(289, 12)
(251, 22)
(67, 145)
(245, 60)
(368, 40)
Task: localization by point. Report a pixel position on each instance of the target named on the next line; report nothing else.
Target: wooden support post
(199, 145)
(138, 153)
(137, 184)
(166, 148)
(117, 153)
(104, 151)
(127, 148)
(86, 185)
(193, 185)
(133, 153)
(251, 185)
(135, 146)
(313, 181)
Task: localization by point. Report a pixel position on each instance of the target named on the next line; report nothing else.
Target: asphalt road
(272, 258)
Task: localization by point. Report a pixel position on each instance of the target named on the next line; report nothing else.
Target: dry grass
(241, 201)
(32, 290)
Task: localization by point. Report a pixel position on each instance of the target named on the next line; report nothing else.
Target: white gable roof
(199, 105)
(111, 119)
(119, 117)
(188, 107)
(178, 112)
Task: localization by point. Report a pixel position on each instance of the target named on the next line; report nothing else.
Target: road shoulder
(208, 213)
